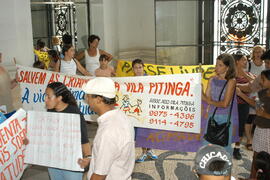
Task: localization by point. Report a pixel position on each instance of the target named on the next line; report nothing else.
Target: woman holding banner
(220, 94)
(59, 99)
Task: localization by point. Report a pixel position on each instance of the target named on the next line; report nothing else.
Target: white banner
(54, 140)
(168, 102)
(12, 133)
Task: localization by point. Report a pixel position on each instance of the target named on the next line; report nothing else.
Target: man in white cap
(113, 152)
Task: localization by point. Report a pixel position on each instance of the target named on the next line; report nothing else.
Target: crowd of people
(112, 156)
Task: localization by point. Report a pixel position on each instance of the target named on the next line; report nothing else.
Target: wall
(136, 22)
(177, 24)
(16, 38)
(111, 26)
(128, 27)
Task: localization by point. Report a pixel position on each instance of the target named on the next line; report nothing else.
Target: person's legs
(243, 110)
(248, 131)
(61, 174)
(146, 152)
(143, 156)
(55, 174)
(72, 175)
(151, 154)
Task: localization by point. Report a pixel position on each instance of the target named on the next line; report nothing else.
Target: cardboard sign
(54, 140)
(12, 150)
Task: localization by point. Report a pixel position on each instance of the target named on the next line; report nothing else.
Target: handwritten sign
(54, 140)
(12, 133)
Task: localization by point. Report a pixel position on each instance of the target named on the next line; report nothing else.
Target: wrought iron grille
(240, 25)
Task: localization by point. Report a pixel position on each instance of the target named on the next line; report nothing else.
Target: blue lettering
(26, 96)
(39, 97)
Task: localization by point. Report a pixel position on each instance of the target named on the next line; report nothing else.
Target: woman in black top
(59, 99)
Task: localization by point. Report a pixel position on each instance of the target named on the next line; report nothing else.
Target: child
(137, 67)
(104, 69)
(39, 65)
(54, 57)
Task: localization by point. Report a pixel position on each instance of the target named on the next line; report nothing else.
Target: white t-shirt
(256, 70)
(91, 62)
(113, 152)
(68, 67)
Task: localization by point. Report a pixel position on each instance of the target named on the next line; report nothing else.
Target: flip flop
(249, 147)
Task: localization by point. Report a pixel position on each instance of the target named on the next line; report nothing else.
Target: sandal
(249, 147)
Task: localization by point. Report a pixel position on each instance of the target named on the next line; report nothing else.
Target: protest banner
(54, 140)
(150, 139)
(33, 83)
(124, 69)
(12, 149)
(168, 102)
(181, 141)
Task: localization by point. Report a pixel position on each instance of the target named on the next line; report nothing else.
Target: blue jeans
(61, 174)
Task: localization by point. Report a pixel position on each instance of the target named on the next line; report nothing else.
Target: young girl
(59, 99)
(242, 77)
(225, 72)
(69, 65)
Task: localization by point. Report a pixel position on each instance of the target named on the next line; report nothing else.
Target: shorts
(251, 118)
(243, 111)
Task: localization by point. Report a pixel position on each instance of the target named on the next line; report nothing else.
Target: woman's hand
(261, 112)
(84, 162)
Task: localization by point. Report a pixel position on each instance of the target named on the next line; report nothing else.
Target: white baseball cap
(100, 86)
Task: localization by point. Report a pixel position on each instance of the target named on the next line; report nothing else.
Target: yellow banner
(124, 68)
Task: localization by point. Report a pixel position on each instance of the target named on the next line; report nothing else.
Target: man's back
(113, 147)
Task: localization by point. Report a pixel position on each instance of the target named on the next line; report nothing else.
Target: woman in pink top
(92, 54)
(242, 77)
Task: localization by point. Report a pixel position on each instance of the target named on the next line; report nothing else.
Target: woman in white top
(69, 65)
(255, 66)
(92, 54)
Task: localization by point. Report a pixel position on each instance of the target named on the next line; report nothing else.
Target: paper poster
(12, 149)
(54, 140)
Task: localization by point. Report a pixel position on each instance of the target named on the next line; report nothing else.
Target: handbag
(218, 133)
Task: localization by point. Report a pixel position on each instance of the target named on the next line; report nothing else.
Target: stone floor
(170, 165)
